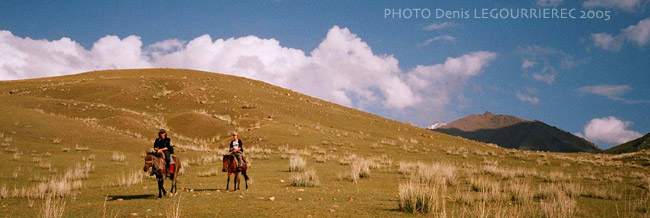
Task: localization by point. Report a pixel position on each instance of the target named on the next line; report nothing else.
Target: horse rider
(162, 145)
(237, 149)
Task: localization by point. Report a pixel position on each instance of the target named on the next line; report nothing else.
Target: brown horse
(158, 168)
(230, 165)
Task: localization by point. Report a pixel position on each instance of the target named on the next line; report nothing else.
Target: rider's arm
(241, 145)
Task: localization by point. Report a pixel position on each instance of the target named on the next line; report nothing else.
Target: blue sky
(575, 79)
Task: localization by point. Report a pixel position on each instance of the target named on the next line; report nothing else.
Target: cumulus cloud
(638, 34)
(343, 68)
(549, 3)
(609, 130)
(437, 26)
(626, 5)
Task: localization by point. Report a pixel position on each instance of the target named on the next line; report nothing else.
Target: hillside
(635, 145)
(514, 132)
(81, 139)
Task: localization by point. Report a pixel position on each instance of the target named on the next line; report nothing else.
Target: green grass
(59, 122)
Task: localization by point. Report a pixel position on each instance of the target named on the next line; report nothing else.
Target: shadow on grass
(207, 189)
(130, 197)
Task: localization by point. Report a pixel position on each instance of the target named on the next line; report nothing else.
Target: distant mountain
(635, 145)
(514, 132)
(436, 125)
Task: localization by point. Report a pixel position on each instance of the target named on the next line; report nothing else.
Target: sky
(587, 75)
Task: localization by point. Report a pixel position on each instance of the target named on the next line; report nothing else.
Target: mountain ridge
(634, 145)
(514, 132)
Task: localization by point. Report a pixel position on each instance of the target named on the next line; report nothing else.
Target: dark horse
(230, 165)
(160, 171)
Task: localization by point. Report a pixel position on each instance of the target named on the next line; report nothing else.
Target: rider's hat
(161, 131)
(234, 133)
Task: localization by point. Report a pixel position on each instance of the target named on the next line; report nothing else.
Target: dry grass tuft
(118, 157)
(306, 178)
(429, 173)
(360, 168)
(4, 193)
(297, 164)
(417, 197)
(53, 207)
(561, 206)
(208, 173)
(126, 180)
(79, 148)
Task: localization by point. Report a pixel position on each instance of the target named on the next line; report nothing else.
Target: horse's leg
(237, 182)
(160, 186)
(228, 181)
(172, 177)
(245, 178)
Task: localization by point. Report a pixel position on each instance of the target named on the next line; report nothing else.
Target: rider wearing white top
(236, 148)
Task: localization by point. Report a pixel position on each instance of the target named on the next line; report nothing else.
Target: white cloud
(527, 64)
(638, 34)
(527, 98)
(606, 41)
(613, 92)
(549, 3)
(609, 91)
(626, 5)
(531, 90)
(609, 130)
(545, 76)
(437, 26)
(438, 38)
(342, 69)
(545, 63)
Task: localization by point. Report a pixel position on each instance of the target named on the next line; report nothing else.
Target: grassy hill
(641, 143)
(513, 132)
(81, 139)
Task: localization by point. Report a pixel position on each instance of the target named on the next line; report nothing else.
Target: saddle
(159, 162)
(243, 158)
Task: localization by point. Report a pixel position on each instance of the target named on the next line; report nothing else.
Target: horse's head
(148, 161)
(227, 159)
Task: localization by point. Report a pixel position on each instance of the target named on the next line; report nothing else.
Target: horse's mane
(229, 156)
